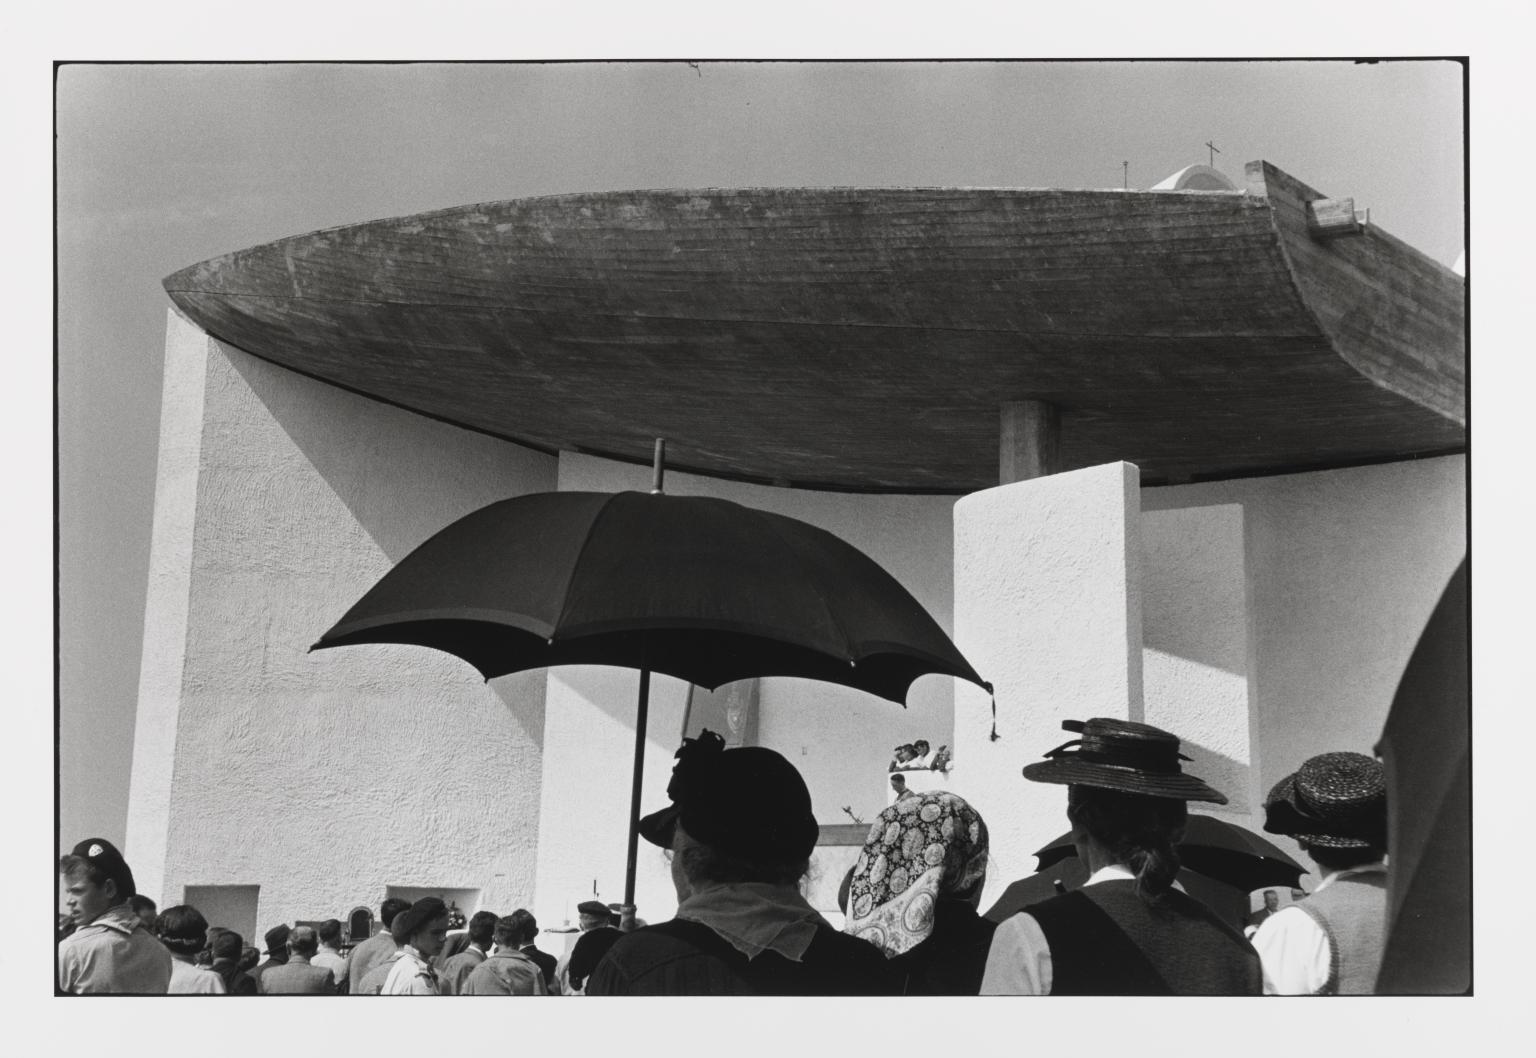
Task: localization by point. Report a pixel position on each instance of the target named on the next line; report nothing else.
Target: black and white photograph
(871, 528)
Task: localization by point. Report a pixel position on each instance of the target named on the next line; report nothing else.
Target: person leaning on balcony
(1330, 943)
(1130, 930)
(914, 890)
(740, 831)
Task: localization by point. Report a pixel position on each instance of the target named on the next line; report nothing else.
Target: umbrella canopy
(1212, 847)
(1425, 751)
(694, 587)
(703, 589)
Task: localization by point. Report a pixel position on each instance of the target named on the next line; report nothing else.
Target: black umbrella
(694, 587)
(1425, 749)
(1216, 849)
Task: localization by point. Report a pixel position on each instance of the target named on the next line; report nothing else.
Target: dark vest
(1353, 912)
(1105, 940)
(683, 958)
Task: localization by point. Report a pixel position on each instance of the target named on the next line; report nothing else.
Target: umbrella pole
(627, 914)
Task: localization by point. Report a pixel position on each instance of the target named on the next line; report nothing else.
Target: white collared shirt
(1294, 949)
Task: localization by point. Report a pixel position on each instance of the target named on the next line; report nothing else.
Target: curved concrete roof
(863, 339)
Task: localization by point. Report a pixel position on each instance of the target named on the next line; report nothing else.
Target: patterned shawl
(920, 849)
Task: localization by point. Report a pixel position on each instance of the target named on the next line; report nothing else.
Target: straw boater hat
(1333, 801)
(1125, 756)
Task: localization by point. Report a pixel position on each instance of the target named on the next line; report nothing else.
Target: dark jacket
(279, 958)
(682, 958)
(546, 963)
(236, 981)
(1105, 940)
(952, 959)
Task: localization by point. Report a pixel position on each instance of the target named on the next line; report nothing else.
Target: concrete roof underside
(864, 339)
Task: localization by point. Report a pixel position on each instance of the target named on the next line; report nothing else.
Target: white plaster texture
(1047, 607)
(839, 738)
(167, 597)
(1344, 569)
(324, 777)
(1195, 661)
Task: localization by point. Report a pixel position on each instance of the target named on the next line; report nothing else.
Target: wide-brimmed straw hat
(749, 802)
(1125, 756)
(1334, 801)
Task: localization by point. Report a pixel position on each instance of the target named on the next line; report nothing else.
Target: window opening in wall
(229, 906)
(461, 902)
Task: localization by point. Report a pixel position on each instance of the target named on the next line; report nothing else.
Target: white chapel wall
(321, 777)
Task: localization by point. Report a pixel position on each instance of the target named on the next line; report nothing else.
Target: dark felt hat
(1125, 756)
(412, 918)
(748, 802)
(1334, 800)
(103, 855)
(594, 908)
(277, 939)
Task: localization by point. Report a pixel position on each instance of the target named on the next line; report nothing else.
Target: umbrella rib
(825, 605)
(565, 592)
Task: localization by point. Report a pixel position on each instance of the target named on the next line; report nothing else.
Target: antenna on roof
(1214, 152)
(1126, 175)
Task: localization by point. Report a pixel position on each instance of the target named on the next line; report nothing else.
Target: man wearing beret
(591, 915)
(1331, 943)
(420, 932)
(110, 950)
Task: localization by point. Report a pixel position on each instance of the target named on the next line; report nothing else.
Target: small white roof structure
(1196, 178)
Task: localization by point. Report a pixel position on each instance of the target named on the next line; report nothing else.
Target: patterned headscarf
(920, 848)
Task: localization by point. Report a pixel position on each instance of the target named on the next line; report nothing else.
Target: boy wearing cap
(110, 950)
(420, 931)
(1331, 943)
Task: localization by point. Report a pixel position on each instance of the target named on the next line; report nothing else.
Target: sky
(160, 166)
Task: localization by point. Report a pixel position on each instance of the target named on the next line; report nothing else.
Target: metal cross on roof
(1214, 152)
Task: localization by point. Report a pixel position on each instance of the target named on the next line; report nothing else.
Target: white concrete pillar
(1048, 608)
(1197, 656)
(167, 601)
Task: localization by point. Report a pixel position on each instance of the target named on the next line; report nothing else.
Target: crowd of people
(738, 835)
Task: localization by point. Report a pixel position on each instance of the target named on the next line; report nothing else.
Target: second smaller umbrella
(1215, 848)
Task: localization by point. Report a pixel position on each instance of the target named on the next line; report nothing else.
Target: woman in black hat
(1129, 930)
(1331, 943)
(740, 831)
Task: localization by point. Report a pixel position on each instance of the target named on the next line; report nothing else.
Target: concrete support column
(1029, 441)
(1047, 607)
(166, 604)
